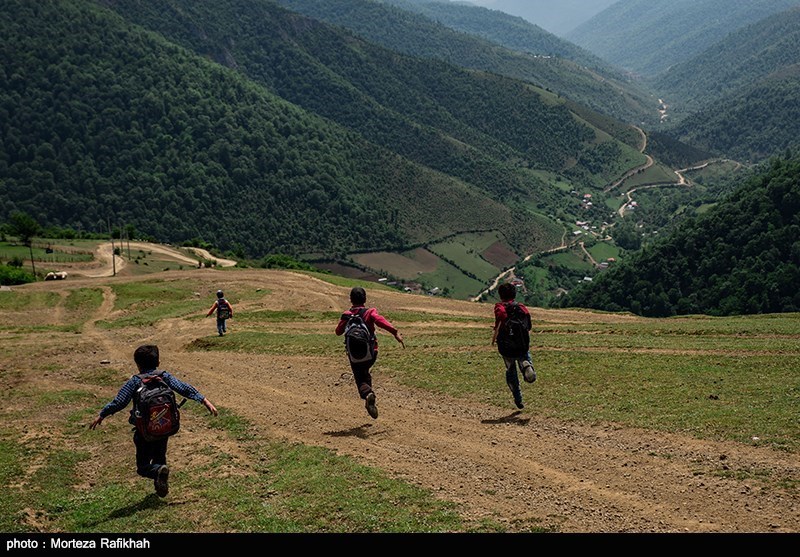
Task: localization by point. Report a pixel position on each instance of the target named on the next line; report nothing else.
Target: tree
(25, 228)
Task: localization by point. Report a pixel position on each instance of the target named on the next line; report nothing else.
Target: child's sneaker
(370, 404)
(528, 373)
(162, 481)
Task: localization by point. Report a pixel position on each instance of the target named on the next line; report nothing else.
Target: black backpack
(156, 413)
(223, 309)
(358, 340)
(513, 339)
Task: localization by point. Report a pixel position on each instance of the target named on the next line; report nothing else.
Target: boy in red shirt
(512, 325)
(363, 352)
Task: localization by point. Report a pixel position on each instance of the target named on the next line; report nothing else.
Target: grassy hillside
(276, 460)
(428, 37)
(648, 37)
(740, 257)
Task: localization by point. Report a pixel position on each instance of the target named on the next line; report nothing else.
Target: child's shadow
(359, 431)
(512, 418)
(152, 501)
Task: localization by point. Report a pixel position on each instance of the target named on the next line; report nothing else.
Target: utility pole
(113, 260)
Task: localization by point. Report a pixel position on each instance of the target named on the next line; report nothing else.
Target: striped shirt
(125, 394)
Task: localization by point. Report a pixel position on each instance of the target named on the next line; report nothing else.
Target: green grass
(603, 250)
(458, 284)
(133, 294)
(19, 301)
(146, 303)
(341, 281)
(9, 251)
(467, 258)
(656, 174)
(266, 486)
(591, 373)
(569, 259)
(84, 299)
(11, 467)
(259, 342)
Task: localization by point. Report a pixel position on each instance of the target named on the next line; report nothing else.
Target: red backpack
(156, 412)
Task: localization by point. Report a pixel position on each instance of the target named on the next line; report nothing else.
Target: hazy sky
(557, 16)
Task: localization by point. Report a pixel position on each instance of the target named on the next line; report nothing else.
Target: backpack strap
(147, 376)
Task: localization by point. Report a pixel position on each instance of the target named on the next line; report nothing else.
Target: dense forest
(482, 128)
(741, 257)
(113, 122)
(740, 98)
(739, 61)
(417, 35)
(512, 32)
(751, 124)
(650, 36)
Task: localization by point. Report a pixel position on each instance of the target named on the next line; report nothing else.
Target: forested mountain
(740, 61)
(741, 257)
(482, 128)
(752, 123)
(650, 36)
(557, 16)
(101, 120)
(119, 121)
(414, 34)
(507, 30)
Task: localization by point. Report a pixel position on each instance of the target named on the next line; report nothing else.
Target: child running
(151, 455)
(224, 312)
(512, 325)
(358, 326)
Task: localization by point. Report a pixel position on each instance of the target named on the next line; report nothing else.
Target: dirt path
(110, 265)
(510, 271)
(207, 255)
(497, 463)
(589, 255)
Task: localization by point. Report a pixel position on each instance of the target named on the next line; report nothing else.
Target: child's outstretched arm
(384, 324)
(212, 309)
(211, 407)
(120, 401)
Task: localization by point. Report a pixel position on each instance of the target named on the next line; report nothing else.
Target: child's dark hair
(358, 296)
(507, 291)
(146, 357)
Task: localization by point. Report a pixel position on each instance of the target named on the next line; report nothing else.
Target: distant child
(152, 431)
(358, 326)
(512, 325)
(224, 312)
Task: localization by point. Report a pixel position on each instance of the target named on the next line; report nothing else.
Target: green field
(62, 251)
(656, 174)
(464, 252)
(601, 251)
(570, 259)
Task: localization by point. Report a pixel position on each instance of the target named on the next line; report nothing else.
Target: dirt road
(108, 264)
(496, 462)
